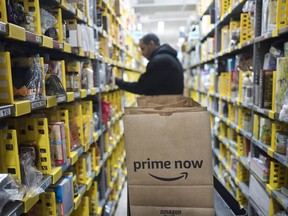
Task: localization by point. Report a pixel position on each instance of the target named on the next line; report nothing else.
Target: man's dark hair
(150, 37)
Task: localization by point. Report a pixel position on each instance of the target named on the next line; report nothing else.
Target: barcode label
(61, 46)
(38, 104)
(3, 28)
(61, 99)
(5, 112)
(38, 39)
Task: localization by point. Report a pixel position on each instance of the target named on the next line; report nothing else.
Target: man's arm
(146, 83)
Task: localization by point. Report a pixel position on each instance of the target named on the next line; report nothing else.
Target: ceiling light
(160, 27)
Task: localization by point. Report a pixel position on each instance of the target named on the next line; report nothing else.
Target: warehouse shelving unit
(106, 144)
(231, 137)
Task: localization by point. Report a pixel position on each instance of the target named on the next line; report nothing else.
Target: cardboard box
(169, 158)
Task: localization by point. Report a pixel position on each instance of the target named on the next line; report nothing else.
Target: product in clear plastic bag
(75, 141)
(31, 176)
(10, 190)
(27, 75)
(47, 20)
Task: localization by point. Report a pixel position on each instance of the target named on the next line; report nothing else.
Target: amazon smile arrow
(183, 175)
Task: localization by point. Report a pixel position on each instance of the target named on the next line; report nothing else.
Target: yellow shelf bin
(87, 115)
(58, 26)
(93, 195)
(10, 160)
(278, 176)
(47, 204)
(225, 5)
(3, 15)
(242, 174)
(83, 209)
(240, 143)
(6, 87)
(282, 14)
(63, 116)
(240, 197)
(256, 126)
(246, 33)
(276, 127)
(34, 8)
(75, 111)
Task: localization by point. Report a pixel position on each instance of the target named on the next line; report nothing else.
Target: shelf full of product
(238, 70)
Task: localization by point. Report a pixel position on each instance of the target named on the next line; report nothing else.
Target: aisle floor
(122, 205)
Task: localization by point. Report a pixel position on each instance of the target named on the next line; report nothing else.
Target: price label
(61, 46)
(3, 28)
(61, 99)
(47, 184)
(38, 39)
(5, 112)
(38, 104)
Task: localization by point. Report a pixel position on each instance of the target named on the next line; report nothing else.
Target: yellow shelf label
(83, 93)
(16, 32)
(90, 22)
(95, 136)
(269, 189)
(70, 96)
(29, 202)
(67, 48)
(93, 91)
(74, 157)
(81, 52)
(270, 152)
(271, 114)
(47, 42)
(89, 184)
(91, 55)
(56, 174)
(51, 101)
(77, 201)
(79, 14)
(22, 107)
(275, 32)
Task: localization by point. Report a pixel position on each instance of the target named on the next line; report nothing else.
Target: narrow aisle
(122, 205)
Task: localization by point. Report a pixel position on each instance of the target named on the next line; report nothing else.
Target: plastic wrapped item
(47, 20)
(74, 134)
(10, 190)
(106, 111)
(27, 75)
(31, 176)
(276, 52)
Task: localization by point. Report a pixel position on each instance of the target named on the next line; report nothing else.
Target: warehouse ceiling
(165, 17)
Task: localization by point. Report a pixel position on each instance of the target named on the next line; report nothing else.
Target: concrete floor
(122, 205)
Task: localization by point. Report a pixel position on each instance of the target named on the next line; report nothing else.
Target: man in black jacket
(164, 72)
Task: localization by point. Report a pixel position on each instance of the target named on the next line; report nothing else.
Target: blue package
(64, 195)
(231, 64)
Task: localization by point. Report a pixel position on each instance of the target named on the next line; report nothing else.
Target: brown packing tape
(158, 100)
(181, 196)
(165, 111)
(162, 211)
(166, 101)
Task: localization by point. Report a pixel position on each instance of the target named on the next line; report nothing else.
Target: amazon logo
(182, 175)
(158, 164)
(170, 212)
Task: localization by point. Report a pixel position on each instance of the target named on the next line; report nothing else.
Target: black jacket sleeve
(147, 81)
